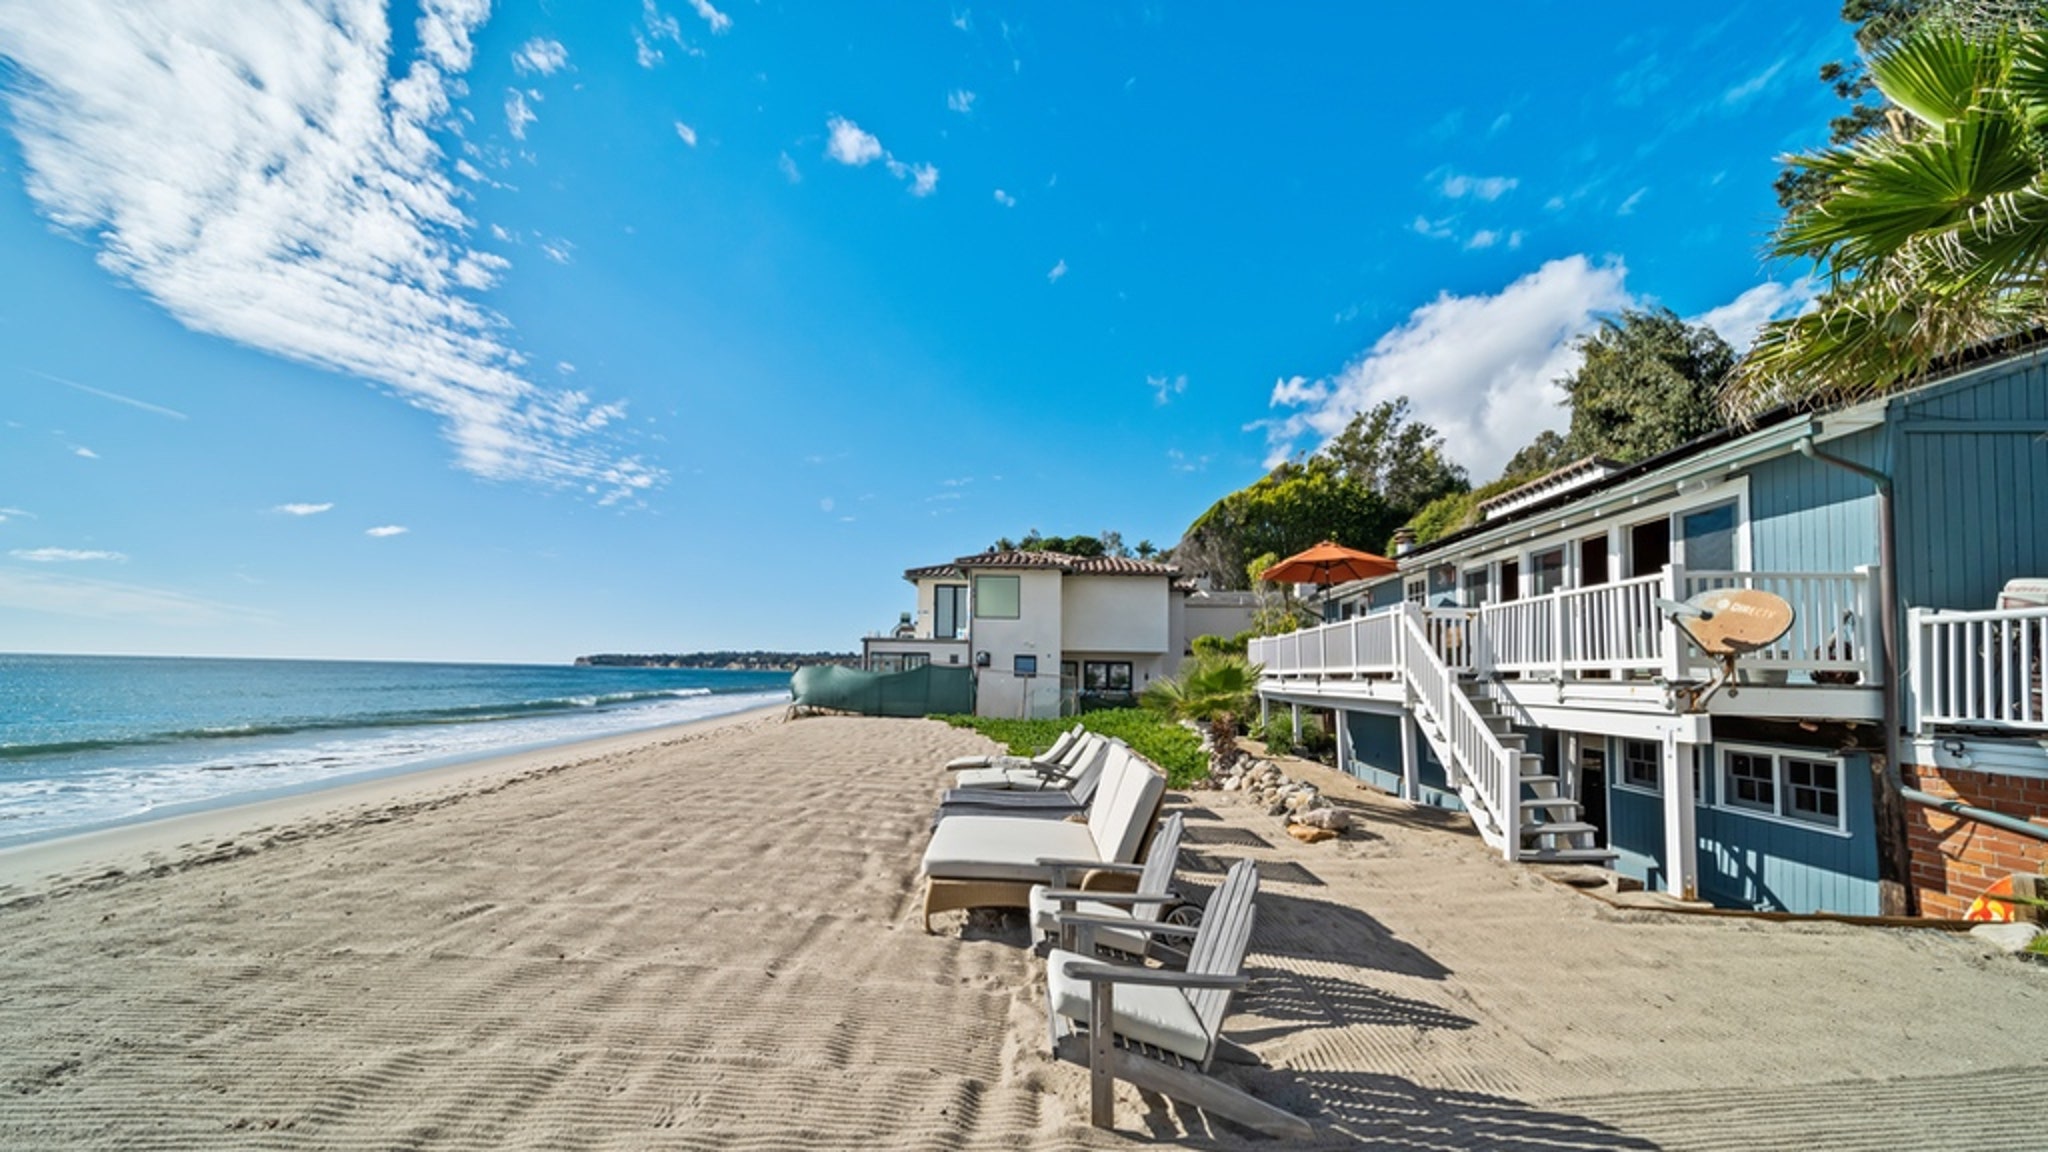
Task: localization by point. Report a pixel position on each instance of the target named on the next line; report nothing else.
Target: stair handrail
(1460, 735)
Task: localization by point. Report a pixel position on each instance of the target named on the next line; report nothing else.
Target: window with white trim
(1642, 765)
(1800, 789)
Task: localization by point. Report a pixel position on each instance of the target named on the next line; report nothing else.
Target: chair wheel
(1184, 915)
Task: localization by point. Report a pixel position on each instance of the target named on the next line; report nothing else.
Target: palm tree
(1206, 687)
(1932, 234)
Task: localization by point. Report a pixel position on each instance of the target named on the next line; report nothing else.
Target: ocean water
(93, 741)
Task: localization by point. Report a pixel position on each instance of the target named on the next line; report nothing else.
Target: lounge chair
(1058, 798)
(1042, 774)
(1156, 1029)
(1064, 896)
(976, 861)
(1059, 746)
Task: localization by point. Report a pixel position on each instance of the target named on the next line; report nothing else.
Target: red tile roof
(1073, 565)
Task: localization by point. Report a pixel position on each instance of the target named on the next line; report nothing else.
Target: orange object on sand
(1989, 909)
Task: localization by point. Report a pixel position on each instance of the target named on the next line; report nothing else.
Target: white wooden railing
(1606, 630)
(1978, 669)
(1458, 733)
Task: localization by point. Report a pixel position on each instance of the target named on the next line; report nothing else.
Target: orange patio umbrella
(1328, 563)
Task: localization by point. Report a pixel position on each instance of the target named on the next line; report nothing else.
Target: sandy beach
(707, 937)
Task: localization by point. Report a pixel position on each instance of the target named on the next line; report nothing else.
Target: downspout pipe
(1887, 604)
(1980, 815)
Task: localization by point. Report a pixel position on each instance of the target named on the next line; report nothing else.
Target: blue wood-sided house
(1524, 670)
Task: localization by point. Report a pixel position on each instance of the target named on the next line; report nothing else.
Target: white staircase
(1519, 808)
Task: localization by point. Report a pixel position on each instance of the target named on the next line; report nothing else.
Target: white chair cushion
(1045, 918)
(1161, 1017)
(1001, 779)
(1002, 847)
(959, 762)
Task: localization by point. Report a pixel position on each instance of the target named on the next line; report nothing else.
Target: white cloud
(719, 21)
(1165, 388)
(1457, 186)
(963, 20)
(517, 114)
(960, 100)
(384, 530)
(787, 165)
(560, 251)
(1481, 369)
(1434, 229)
(687, 133)
(539, 55)
(1180, 462)
(7, 514)
(1738, 320)
(657, 26)
(849, 145)
(103, 599)
(1628, 206)
(1005, 199)
(1059, 271)
(645, 53)
(303, 509)
(275, 180)
(1743, 92)
(1484, 238)
(85, 453)
(64, 555)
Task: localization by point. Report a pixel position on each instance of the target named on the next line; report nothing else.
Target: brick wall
(1954, 858)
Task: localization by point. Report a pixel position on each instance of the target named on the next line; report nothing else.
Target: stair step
(1565, 855)
(1558, 828)
(1530, 802)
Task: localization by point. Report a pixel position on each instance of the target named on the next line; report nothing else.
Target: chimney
(1404, 541)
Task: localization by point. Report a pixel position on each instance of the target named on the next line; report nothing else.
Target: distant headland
(730, 661)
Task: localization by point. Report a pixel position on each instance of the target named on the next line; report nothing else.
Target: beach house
(1533, 669)
(1051, 634)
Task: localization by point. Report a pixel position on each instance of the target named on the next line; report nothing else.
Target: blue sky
(519, 331)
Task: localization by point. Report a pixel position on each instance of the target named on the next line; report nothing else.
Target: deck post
(1296, 710)
(1672, 668)
(1557, 644)
(1681, 838)
(1916, 671)
(1342, 720)
(1411, 764)
(1867, 634)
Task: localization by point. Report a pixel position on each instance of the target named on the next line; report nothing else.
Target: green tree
(1648, 382)
(1539, 457)
(1933, 233)
(1146, 549)
(1205, 688)
(1400, 459)
(1283, 512)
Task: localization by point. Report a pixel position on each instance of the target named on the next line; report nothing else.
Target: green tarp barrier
(918, 692)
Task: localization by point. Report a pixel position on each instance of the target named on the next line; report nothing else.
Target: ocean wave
(483, 713)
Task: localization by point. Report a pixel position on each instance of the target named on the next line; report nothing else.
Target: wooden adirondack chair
(1079, 887)
(1158, 1029)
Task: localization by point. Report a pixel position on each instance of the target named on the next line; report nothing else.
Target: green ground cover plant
(1177, 751)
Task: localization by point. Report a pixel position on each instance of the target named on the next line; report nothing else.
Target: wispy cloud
(305, 214)
(718, 21)
(851, 145)
(67, 595)
(1181, 462)
(1458, 186)
(1488, 238)
(960, 100)
(84, 453)
(517, 114)
(7, 514)
(1058, 273)
(1628, 206)
(383, 530)
(1005, 199)
(560, 251)
(103, 394)
(541, 55)
(1742, 93)
(787, 165)
(1434, 229)
(687, 133)
(1165, 388)
(65, 555)
(303, 509)
(656, 26)
(1482, 369)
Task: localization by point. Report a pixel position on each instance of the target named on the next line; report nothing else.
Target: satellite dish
(1726, 623)
(1734, 621)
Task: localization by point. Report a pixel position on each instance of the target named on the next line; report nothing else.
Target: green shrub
(1278, 734)
(1177, 751)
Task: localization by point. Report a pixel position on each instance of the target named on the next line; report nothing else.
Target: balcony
(1606, 634)
(1978, 671)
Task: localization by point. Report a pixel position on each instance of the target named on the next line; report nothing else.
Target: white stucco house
(1048, 634)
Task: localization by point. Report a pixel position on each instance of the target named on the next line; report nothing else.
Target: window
(1642, 765)
(1510, 580)
(915, 660)
(886, 662)
(1474, 584)
(1799, 789)
(1546, 572)
(1708, 536)
(949, 611)
(995, 597)
(1414, 591)
(1105, 676)
(1024, 665)
(1813, 791)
